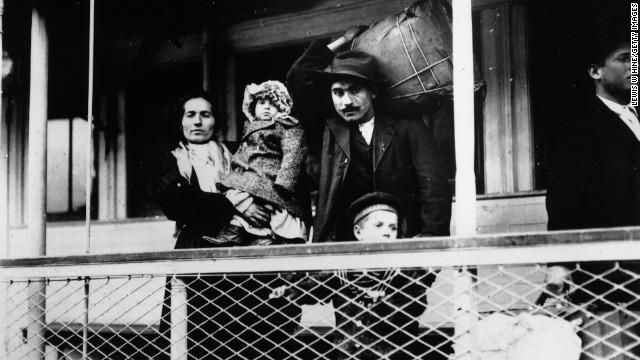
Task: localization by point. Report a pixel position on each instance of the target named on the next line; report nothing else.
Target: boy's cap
(373, 202)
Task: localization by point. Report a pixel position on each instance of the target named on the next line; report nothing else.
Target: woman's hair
(220, 126)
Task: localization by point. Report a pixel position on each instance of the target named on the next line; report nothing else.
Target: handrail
(581, 245)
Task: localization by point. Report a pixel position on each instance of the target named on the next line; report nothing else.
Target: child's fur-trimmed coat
(270, 161)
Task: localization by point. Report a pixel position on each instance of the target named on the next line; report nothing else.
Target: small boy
(266, 170)
(376, 311)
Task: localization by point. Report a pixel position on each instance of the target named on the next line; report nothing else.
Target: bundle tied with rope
(414, 51)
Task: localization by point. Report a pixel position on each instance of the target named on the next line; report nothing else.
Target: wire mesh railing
(570, 295)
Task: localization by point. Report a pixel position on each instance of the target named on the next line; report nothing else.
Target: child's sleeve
(294, 153)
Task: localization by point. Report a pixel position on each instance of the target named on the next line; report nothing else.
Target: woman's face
(197, 121)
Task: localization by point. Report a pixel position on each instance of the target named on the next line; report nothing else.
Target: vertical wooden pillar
(38, 135)
(17, 161)
(222, 83)
(36, 326)
(4, 204)
(37, 180)
(121, 158)
(508, 133)
(4, 162)
(206, 60)
(111, 156)
(89, 133)
(178, 320)
(85, 321)
(104, 191)
(463, 110)
(465, 315)
(464, 119)
(231, 85)
(523, 147)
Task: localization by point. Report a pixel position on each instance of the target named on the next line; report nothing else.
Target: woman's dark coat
(218, 320)
(195, 212)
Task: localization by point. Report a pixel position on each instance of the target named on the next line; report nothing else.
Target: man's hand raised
(347, 38)
(353, 32)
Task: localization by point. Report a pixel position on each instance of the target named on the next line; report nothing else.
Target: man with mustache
(363, 150)
(595, 183)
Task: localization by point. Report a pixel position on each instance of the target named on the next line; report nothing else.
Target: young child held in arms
(376, 311)
(266, 170)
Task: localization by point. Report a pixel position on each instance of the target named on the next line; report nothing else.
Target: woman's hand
(257, 215)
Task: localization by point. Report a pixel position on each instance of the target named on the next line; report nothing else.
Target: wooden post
(507, 127)
(178, 320)
(464, 119)
(17, 163)
(206, 60)
(89, 135)
(466, 309)
(105, 194)
(37, 177)
(37, 180)
(35, 330)
(4, 162)
(85, 321)
(121, 159)
(465, 316)
(4, 203)
(231, 86)
(4, 198)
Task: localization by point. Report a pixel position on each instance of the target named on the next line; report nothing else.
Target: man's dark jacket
(595, 183)
(595, 171)
(404, 159)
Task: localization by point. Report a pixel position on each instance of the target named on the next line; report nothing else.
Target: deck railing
(484, 297)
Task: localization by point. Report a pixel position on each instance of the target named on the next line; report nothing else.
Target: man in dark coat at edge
(595, 181)
(363, 150)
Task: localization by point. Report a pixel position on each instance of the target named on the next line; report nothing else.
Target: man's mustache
(350, 109)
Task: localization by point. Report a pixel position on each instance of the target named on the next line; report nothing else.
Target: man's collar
(614, 106)
(367, 123)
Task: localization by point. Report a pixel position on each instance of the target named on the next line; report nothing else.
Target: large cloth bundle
(525, 337)
(414, 49)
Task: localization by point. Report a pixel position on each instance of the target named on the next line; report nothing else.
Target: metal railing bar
(411, 256)
(555, 238)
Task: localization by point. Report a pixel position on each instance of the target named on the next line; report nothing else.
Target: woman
(185, 186)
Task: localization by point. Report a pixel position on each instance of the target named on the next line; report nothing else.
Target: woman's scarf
(210, 161)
